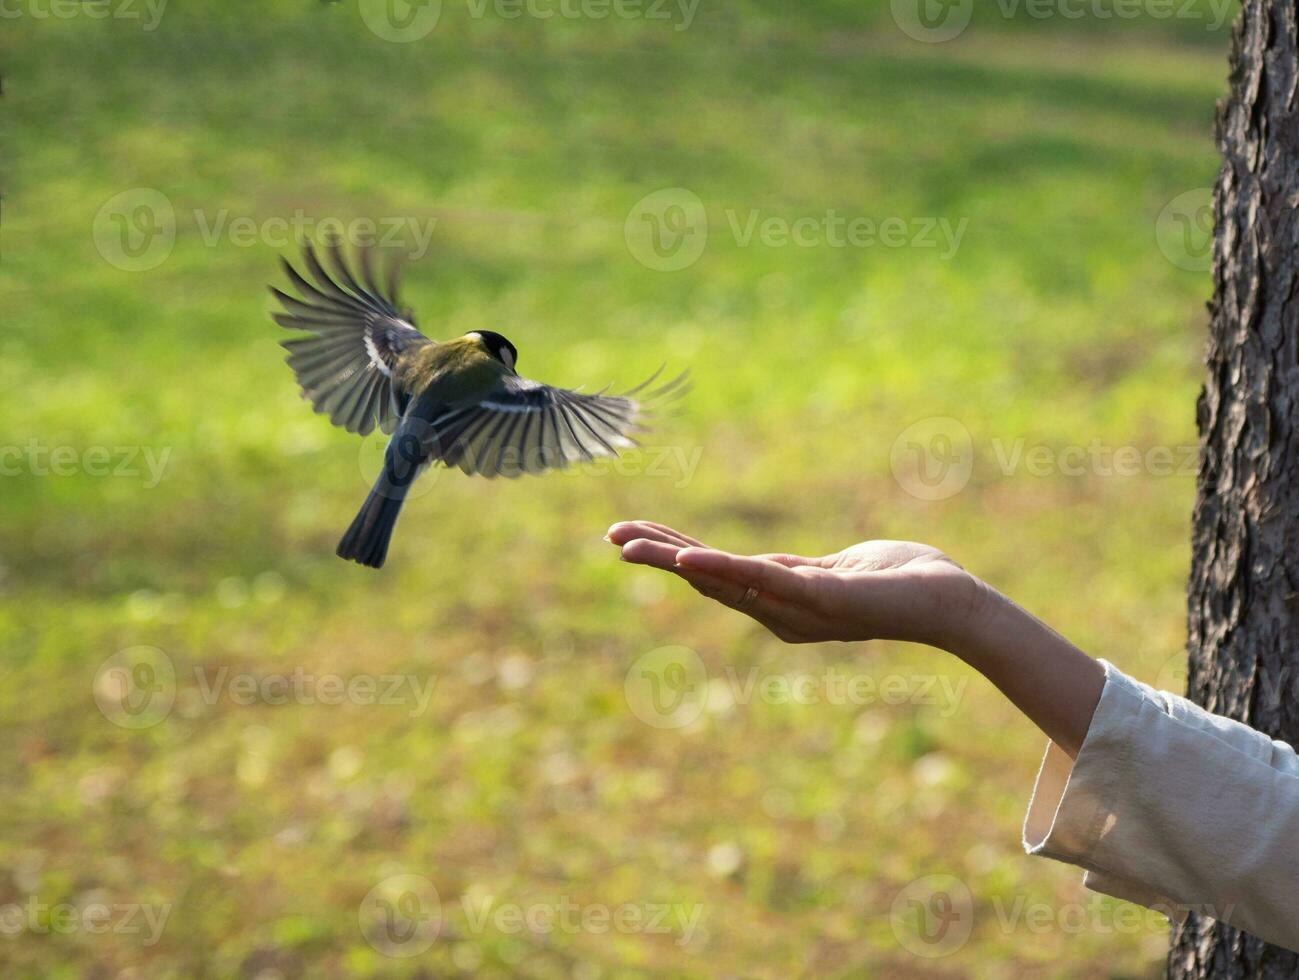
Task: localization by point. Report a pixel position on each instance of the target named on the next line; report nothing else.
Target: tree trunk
(1243, 596)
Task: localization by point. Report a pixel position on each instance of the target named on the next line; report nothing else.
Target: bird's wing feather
(524, 426)
(355, 334)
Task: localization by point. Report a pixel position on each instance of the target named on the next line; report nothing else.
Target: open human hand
(895, 590)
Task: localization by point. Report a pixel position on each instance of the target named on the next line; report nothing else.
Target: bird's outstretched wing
(357, 332)
(524, 426)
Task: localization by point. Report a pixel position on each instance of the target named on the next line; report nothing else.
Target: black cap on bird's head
(498, 347)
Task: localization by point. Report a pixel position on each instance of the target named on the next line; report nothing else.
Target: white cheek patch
(507, 358)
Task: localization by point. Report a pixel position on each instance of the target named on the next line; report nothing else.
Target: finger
(727, 593)
(794, 561)
(782, 618)
(657, 554)
(625, 531)
(762, 574)
(689, 541)
(636, 530)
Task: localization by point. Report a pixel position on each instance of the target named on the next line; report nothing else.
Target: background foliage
(1059, 321)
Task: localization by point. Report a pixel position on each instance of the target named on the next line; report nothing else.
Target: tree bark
(1243, 595)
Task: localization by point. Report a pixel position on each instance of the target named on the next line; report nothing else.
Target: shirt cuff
(1070, 812)
(1178, 809)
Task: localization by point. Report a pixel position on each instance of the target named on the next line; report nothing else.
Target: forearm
(1044, 675)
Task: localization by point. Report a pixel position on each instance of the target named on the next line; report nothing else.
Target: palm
(890, 589)
(884, 556)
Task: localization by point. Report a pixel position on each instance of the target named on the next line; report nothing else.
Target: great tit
(458, 403)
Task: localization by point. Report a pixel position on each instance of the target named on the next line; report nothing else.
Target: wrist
(966, 622)
(1055, 684)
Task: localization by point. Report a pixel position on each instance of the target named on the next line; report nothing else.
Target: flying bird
(460, 402)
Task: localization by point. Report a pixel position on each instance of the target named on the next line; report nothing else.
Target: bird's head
(497, 346)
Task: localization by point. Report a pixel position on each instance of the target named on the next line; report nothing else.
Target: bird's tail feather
(366, 541)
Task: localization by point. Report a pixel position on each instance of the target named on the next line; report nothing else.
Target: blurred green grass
(1058, 322)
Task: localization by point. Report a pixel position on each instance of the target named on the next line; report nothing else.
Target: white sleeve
(1177, 809)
